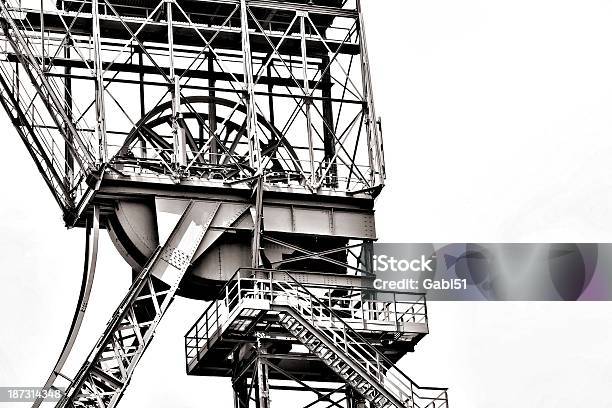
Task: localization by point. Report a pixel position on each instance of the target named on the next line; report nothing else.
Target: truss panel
(192, 91)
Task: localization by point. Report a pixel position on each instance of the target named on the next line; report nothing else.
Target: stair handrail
(362, 341)
(226, 297)
(212, 312)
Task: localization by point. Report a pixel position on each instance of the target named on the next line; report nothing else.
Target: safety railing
(357, 306)
(22, 102)
(251, 284)
(29, 47)
(218, 166)
(145, 10)
(23, 108)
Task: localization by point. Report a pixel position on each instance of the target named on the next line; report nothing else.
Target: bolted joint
(94, 178)
(308, 100)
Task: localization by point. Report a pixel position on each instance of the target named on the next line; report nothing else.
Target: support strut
(89, 269)
(106, 373)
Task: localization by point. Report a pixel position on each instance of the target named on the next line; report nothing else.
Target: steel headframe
(223, 90)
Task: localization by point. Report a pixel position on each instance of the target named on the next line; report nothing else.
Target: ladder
(349, 355)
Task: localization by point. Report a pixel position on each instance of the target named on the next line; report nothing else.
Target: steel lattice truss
(106, 373)
(253, 386)
(199, 91)
(117, 100)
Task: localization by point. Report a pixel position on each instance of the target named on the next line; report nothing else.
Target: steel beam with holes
(105, 375)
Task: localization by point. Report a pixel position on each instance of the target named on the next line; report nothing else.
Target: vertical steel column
(212, 110)
(254, 148)
(68, 143)
(258, 227)
(241, 399)
(99, 84)
(239, 383)
(271, 96)
(307, 97)
(272, 117)
(374, 146)
(180, 148)
(201, 135)
(329, 142)
(263, 387)
(42, 35)
(367, 256)
(143, 111)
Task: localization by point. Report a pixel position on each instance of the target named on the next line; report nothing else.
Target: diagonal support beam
(105, 375)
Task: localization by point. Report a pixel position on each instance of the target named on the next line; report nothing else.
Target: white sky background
(498, 128)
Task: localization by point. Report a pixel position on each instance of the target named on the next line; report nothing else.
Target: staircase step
(352, 376)
(344, 370)
(381, 400)
(362, 385)
(339, 364)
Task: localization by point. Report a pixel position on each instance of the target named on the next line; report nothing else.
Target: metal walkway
(273, 305)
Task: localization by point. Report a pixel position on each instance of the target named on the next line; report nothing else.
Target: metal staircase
(318, 327)
(353, 374)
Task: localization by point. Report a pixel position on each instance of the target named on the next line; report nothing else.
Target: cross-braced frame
(212, 91)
